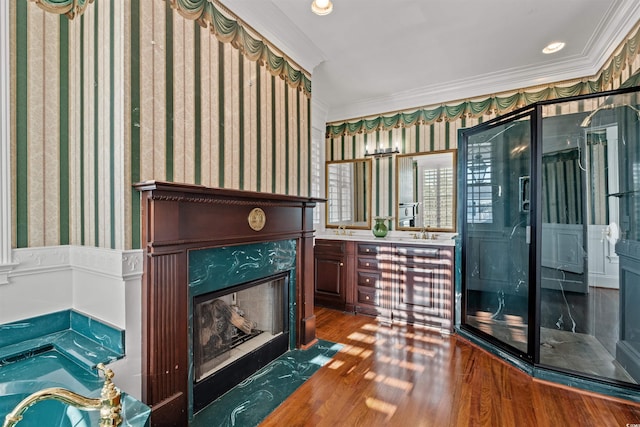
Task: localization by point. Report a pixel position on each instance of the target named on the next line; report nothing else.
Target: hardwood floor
(409, 376)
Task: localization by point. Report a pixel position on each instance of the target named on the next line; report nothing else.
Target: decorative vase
(379, 229)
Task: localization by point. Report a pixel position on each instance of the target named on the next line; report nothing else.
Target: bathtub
(63, 355)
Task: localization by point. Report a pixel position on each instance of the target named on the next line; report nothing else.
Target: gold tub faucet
(108, 403)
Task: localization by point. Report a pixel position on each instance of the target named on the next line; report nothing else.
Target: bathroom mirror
(349, 194)
(426, 190)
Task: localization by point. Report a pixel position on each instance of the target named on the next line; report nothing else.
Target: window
(479, 188)
(437, 196)
(316, 176)
(340, 181)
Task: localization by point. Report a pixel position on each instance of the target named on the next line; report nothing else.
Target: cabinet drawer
(369, 279)
(418, 252)
(368, 249)
(367, 296)
(367, 263)
(329, 247)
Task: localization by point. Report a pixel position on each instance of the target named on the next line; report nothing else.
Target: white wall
(102, 283)
(318, 130)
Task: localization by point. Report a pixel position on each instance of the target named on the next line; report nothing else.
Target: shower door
(589, 182)
(496, 232)
(549, 222)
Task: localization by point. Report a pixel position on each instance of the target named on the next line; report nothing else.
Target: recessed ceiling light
(322, 7)
(553, 47)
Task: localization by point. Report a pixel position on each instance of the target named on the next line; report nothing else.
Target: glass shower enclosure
(549, 211)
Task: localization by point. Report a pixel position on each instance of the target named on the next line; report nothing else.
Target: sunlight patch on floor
(390, 381)
(412, 349)
(353, 350)
(371, 327)
(368, 339)
(380, 406)
(335, 364)
(401, 363)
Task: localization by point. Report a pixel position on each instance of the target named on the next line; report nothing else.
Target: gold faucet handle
(106, 372)
(109, 390)
(110, 412)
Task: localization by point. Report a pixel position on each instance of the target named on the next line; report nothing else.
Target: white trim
(109, 263)
(6, 262)
(89, 279)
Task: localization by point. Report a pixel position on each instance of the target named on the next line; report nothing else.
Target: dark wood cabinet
(330, 273)
(396, 282)
(424, 293)
(373, 279)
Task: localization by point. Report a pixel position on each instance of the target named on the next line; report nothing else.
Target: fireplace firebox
(237, 331)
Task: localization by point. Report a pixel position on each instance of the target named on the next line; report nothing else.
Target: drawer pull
(367, 250)
(341, 264)
(367, 264)
(367, 280)
(367, 297)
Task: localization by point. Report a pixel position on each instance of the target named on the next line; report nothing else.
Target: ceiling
(373, 56)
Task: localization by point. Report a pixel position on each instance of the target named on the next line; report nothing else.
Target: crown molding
(620, 20)
(484, 85)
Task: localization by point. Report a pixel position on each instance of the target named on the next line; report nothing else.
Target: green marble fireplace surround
(227, 268)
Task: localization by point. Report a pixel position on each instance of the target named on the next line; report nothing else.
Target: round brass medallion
(257, 219)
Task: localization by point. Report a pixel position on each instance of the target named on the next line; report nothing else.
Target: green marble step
(251, 401)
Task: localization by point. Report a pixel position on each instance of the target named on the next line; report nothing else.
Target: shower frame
(527, 360)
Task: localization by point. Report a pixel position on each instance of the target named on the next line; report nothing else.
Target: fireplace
(241, 313)
(204, 247)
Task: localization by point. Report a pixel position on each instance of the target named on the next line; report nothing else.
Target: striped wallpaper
(133, 91)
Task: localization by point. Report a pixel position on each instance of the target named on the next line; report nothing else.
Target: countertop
(442, 239)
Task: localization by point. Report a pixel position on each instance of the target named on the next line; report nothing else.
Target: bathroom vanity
(396, 280)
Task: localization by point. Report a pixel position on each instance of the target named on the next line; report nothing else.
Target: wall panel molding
(6, 262)
(113, 264)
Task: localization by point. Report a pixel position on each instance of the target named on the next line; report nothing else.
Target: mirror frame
(368, 186)
(454, 166)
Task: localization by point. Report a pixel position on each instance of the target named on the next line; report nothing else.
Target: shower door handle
(523, 185)
(528, 234)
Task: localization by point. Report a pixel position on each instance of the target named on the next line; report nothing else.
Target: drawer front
(367, 263)
(368, 249)
(369, 279)
(368, 296)
(418, 251)
(329, 246)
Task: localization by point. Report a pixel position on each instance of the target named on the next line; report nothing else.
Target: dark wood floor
(406, 376)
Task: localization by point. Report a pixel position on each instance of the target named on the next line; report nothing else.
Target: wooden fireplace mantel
(177, 218)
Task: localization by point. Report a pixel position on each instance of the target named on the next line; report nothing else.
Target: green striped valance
(498, 104)
(229, 31)
(632, 81)
(71, 8)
